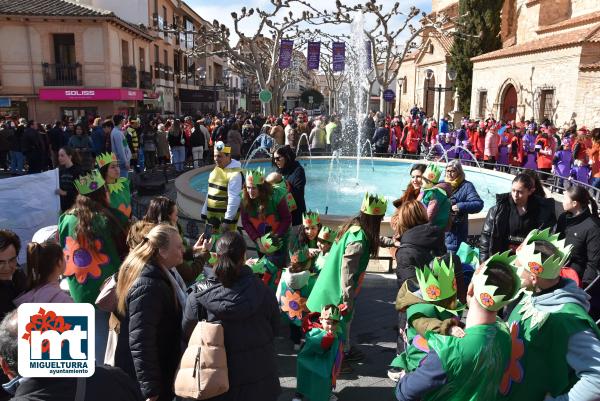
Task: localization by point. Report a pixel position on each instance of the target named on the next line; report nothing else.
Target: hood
(567, 291)
(423, 235)
(234, 164)
(406, 298)
(296, 280)
(240, 301)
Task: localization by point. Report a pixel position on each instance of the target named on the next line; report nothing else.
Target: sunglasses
(277, 158)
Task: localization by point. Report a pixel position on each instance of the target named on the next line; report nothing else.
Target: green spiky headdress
(433, 172)
(212, 260)
(484, 292)
(255, 177)
(331, 312)
(528, 259)
(327, 234)
(437, 281)
(89, 183)
(311, 218)
(104, 159)
(269, 243)
(374, 205)
(299, 254)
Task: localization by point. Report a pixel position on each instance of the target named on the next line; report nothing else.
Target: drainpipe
(32, 74)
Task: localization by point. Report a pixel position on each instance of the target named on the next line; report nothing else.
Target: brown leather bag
(202, 372)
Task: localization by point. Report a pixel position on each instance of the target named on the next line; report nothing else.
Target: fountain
(307, 145)
(466, 150)
(444, 152)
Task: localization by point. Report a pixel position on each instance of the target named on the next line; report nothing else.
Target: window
(155, 6)
(404, 86)
(156, 54)
(124, 53)
(165, 23)
(166, 57)
(431, 48)
(482, 103)
(546, 104)
(142, 59)
(64, 48)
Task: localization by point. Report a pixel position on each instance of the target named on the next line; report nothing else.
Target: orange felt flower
(293, 304)
(486, 299)
(514, 371)
(259, 223)
(433, 291)
(83, 262)
(126, 210)
(535, 268)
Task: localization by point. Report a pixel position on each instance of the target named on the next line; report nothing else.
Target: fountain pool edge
(189, 201)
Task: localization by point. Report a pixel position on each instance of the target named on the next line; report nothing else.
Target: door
(509, 104)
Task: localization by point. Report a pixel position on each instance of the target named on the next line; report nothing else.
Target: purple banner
(313, 57)
(338, 50)
(369, 61)
(285, 53)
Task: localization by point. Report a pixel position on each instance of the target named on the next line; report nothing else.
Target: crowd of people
(512, 309)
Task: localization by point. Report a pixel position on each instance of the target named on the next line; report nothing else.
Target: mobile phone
(208, 231)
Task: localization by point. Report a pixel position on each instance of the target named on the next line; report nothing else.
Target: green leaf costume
(120, 199)
(292, 301)
(542, 338)
(86, 268)
(473, 364)
(444, 205)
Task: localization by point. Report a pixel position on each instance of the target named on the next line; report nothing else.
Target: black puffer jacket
(249, 314)
(499, 227)
(583, 232)
(419, 246)
(149, 345)
(293, 173)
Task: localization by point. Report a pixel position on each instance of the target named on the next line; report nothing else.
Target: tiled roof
(571, 22)
(50, 8)
(568, 39)
(588, 67)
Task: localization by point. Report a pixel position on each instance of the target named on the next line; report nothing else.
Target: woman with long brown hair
(149, 311)
(414, 186)
(93, 240)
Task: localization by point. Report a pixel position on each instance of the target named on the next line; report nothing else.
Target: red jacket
(546, 153)
(515, 155)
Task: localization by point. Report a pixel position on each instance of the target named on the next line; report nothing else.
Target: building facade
(65, 59)
(548, 67)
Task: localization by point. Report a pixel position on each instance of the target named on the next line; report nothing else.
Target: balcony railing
(128, 76)
(162, 71)
(62, 74)
(145, 80)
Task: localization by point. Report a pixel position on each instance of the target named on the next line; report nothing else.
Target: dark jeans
(150, 159)
(4, 159)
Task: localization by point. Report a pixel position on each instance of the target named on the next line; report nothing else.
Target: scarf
(456, 183)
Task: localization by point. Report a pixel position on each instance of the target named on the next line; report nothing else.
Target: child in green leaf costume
(435, 195)
(436, 309)
(325, 239)
(118, 187)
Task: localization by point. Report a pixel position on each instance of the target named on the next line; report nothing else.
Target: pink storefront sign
(91, 94)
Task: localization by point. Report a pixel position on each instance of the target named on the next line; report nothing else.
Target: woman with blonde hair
(149, 312)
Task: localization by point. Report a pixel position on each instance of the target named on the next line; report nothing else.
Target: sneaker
(333, 397)
(394, 374)
(354, 355)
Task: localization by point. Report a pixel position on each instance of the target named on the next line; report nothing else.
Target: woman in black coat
(284, 159)
(514, 216)
(149, 311)
(250, 316)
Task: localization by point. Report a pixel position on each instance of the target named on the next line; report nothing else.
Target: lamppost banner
(338, 50)
(314, 55)
(286, 49)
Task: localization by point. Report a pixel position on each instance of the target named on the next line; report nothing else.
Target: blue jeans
(595, 183)
(178, 157)
(17, 160)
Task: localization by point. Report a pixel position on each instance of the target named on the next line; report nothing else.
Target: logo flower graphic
(514, 371)
(308, 222)
(486, 299)
(433, 291)
(293, 304)
(535, 268)
(260, 223)
(294, 258)
(376, 210)
(44, 321)
(81, 262)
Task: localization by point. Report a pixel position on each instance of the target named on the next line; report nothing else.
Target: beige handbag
(202, 372)
(114, 327)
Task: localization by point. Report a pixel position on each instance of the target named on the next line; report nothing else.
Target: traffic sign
(388, 95)
(265, 96)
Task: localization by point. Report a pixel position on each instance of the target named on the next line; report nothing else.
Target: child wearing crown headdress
(277, 181)
(469, 367)
(436, 308)
(293, 290)
(435, 195)
(118, 187)
(557, 342)
(320, 359)
(311, 226)
(264, 267)
(325, 240)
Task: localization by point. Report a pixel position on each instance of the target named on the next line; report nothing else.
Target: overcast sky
(221, 10)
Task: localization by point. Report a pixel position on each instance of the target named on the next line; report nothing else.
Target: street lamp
(227, 76)
(439, 89)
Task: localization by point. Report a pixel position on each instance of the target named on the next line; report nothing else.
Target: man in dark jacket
(381, 138)
(33, 148)
(15, 146)
(107, 383)
(5, 132)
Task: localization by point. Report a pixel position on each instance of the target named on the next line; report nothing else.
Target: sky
(221, 10)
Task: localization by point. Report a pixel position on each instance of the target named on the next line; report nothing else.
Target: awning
(78, 94)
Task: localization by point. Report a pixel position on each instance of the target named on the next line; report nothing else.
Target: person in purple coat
(563, 159)
(529, 150)
(505, 138)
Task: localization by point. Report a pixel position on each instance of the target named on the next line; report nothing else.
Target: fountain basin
(341, 195)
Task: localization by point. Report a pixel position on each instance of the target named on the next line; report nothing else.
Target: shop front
(194, 102)
(54, 103)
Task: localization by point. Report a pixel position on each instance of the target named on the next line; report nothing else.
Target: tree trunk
(381, 99)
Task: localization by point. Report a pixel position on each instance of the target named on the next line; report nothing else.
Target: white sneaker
(395, 374)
